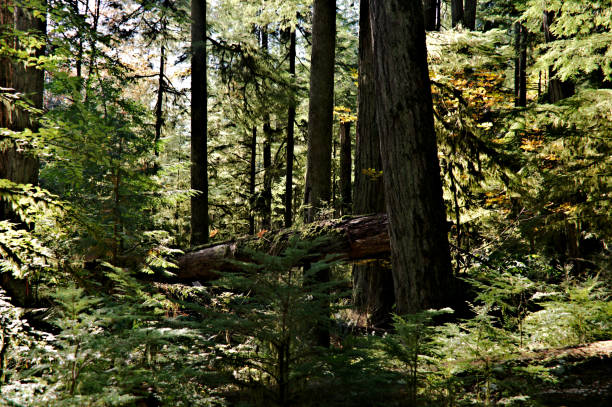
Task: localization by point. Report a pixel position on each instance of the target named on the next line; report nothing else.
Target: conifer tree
(199, 143)
(413, 191)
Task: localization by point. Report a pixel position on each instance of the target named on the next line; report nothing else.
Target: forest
(305, 203)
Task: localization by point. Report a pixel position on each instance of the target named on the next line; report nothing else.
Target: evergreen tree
(199, 123)
(413, 193)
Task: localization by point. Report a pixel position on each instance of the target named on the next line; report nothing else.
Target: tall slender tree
(320, 126)
(199, 141)
(520, 65)
(431, 10)
(413, 190)
(267, 152)
(372, 283)
(345, 167)
(252, 178)
(320, 110)
(290, 135)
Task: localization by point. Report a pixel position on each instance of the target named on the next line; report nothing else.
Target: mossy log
(351, 239)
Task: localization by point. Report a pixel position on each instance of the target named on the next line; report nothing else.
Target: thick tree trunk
(372, 283)
(413, 190)
(431, 10)
(359, 238)
(520, 65)
(320, 124)
(199, 122)
(557, 89)
(17, 164)
(456, 12)
(469, 14)
(290, 137)
(320, 110)
(345, 168)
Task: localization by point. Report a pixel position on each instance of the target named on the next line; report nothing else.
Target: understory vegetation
(92, 312)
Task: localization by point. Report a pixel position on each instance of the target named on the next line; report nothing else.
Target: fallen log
(351, 239)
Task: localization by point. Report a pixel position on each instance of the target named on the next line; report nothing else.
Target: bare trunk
(345, 167)
(431, 10)
(469, 15)
(159, 106)
(372, 283)
(290, 137)
(252, 173)
(320, 111)
(267, 153)
(413, 190)
(456, 12)
(199, 122)
(520, 68)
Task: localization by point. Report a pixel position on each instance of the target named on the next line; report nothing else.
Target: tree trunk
(320, 110)
(17, 164)
(290, 137)
(159, 106)
(557, 89)
(358, 238)
(252, 180)
(372, 283)
(413, 190)
(520, 65)
(456, 12)
(320, 124)
(199, 122)
(469, 15)
(431, 10)
(345, 167)
(267, 153)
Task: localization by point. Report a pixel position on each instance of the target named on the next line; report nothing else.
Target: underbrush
(251, 340)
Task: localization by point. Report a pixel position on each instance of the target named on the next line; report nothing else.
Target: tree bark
(359, 238)
(290, 136)
(431, 10)
(17, 163)
(159, 106)
(267, 153)
(372, 283)
(320, 125)
(345, 167)
(469, 14)
(456, 12)
(199, 122)
(320, 110)
(252, 180)
(420, 253)
(520, 67)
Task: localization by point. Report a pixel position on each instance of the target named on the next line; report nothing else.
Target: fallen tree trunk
(358, 238)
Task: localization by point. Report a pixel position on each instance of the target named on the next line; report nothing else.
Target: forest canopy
(295, 203)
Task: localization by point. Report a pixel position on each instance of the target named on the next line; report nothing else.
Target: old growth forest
(305, 203)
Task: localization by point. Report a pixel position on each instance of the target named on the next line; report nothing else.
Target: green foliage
(583, 32)
(574, 315)
(271, 314)
(412, 345)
